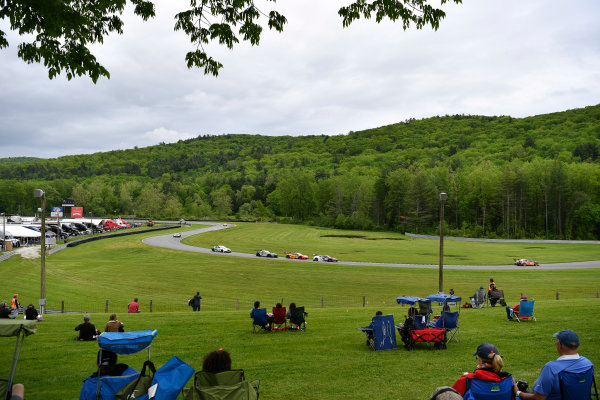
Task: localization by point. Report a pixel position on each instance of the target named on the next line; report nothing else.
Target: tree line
(536, 177)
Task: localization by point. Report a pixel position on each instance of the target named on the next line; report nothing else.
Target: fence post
(556, 295)
(597, 294)
(62, 306)
(282, 300)
(322, 302)
(363, 301)
(106, 307)
(150, 305)
(237, 307)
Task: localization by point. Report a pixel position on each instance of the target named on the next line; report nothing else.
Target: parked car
(221, 249)
(177, 235)
(324, 258)
(296, 256)
(266, 253)
(525, 262)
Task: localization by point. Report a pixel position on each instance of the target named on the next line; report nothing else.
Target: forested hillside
(505, 177)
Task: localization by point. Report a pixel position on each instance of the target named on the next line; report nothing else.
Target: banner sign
(76, 212)
(56, 212)
(68, 203)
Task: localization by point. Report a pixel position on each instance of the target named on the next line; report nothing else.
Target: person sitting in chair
(408, 325)
(489, 368)
(268, 318)
(107, 365)
(514, 311)
(288, 313)
(217, 361)
(4, 310)
(370, 326)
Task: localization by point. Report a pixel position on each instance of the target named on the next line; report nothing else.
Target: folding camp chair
(381, 334)
(525, 310)
(20, 329)
(478, 389)
(424, 306)
(123, 343)
(450, 324)
(259, 319)
(223, 385)
(479, 299)
(297, 320)
(577, 385)
(429, 335)
(420, 321)
(279, 320)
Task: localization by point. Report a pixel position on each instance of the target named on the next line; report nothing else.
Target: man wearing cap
(547, 385)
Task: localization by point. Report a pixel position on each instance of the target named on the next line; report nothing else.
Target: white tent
(19, 231)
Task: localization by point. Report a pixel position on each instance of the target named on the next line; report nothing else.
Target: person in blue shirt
(547, 386)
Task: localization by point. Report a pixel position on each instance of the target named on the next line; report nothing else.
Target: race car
(297, 256)
(221, 249)
(525, 262)
(324, 258)
(177, 235)
(266, 253)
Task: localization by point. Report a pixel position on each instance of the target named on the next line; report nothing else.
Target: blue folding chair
(450, 324)
(259, 319)
(478, 389)
(384, 332)
(577, 385)
(420, 321)
(525, 310)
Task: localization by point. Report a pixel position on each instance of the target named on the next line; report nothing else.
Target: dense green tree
(62, 32)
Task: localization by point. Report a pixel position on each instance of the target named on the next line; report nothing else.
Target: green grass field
(330, 359)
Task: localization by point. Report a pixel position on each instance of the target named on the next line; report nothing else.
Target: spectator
(288, 313)
(217, 361)
(547, 385)
(511, 312)
(107, 365)
(408, 325)
(491, 287)
(15, 305)
(134, 306)
(269, 316)
(32, 313)
(445, 393)
(87, 330)
(196, 302)
(489, 368)
(370, 335)
(18, 392)
(114, 325)
(4, 311)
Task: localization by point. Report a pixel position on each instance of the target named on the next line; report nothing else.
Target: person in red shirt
(514, 311)
(489, 368)
(134, 306)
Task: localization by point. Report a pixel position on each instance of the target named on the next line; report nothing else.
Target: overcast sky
(489, 57)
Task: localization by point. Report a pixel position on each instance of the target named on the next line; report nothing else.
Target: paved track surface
(170, 242)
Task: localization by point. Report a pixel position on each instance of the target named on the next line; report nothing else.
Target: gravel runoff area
(170, 242)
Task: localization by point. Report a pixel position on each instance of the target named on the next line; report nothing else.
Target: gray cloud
(488, 57)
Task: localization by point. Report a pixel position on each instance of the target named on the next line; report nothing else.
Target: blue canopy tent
(412, 300)
(445, 298)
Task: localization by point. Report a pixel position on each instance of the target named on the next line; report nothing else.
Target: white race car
(221, 249)
(266, 253)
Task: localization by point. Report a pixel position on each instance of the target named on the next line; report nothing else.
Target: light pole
(42, 302)
(3, 230)
(91, 223)
(443, 197)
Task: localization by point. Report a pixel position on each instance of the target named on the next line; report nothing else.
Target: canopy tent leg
(13, 367)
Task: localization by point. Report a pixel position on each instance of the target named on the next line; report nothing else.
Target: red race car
(296, 256)
(525, 262)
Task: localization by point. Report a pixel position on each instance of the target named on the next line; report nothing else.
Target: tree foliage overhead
(505, 177)
(64, 29)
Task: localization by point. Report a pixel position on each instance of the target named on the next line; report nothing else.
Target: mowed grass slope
(329, 360)
(385, 247)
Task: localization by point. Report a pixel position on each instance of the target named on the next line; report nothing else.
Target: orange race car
(525, 262)
(297, 256)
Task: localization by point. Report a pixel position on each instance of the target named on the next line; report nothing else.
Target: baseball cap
(567, 337)
(108, 357)
(486, 351)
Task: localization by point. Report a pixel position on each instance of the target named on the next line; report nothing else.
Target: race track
(170, 242)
